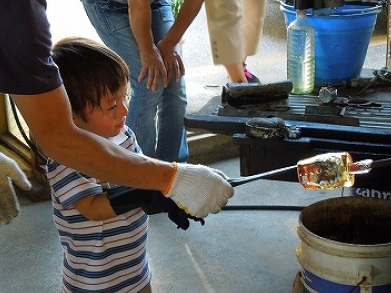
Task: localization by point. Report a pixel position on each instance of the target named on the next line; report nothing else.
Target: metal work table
(365, 135)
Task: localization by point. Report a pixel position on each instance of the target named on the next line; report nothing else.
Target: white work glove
(199, 190)
(10, 172)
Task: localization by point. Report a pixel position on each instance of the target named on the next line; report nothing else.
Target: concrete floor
(237, 250)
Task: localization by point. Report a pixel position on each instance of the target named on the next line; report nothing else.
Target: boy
(104, 237)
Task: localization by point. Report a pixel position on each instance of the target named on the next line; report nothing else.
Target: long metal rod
(381, 163)
(242, 180)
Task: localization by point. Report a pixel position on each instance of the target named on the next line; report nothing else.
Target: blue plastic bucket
(345, 246)
(341, 40)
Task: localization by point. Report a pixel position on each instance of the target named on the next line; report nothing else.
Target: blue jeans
(156, 117)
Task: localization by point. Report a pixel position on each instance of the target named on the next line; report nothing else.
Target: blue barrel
(341, 40)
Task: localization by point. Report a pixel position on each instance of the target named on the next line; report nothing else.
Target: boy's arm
(95, 207)
(121, 200)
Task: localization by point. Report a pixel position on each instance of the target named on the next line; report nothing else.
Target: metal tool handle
(381, 163)
(243, 180)
(364, 166)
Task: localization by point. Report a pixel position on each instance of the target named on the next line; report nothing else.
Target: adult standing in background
(235, 28)
(143, 33)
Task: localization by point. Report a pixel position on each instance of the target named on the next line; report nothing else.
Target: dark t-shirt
(26, 66)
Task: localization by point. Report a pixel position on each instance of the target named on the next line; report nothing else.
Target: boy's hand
(199, 190)
(123, 199)
(10, 171)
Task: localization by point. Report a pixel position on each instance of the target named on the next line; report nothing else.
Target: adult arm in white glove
(10, 172)
(199, 190)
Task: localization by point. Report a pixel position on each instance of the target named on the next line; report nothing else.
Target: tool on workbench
(266, 128)
(271, 96)
(329, 97)
(381, 75)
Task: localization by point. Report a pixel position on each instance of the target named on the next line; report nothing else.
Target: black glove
(123, 199)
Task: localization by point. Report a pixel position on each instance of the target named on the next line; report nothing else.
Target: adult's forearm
(140, 23)
(49, 118)
(186, 16)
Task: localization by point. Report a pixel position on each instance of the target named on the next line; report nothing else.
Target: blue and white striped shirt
(99, 256)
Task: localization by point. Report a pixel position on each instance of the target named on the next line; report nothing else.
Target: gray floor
(236, 251)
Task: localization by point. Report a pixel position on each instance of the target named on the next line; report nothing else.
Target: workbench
(366, 135)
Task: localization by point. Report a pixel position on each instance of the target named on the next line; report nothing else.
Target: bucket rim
(336, 247)
(323, 243)
(368, 10)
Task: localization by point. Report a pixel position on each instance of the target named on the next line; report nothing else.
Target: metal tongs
(329, 97)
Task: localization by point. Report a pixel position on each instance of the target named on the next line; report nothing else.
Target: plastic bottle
(301, 54)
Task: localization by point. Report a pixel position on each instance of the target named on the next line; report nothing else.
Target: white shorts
(235, 28)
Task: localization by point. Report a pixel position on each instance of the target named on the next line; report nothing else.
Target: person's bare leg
(235, 73)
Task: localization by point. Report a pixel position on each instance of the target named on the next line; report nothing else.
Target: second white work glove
(10, 172)
(198, 189)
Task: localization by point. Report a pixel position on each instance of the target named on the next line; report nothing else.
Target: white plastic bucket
(346, 246)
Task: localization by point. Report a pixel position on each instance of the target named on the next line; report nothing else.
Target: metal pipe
(242, 180)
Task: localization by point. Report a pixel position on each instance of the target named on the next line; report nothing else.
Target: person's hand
(153, 67)
(10, 172)
(172, 60)
(199, 190)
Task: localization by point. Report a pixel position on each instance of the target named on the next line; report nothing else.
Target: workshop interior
(312, 202)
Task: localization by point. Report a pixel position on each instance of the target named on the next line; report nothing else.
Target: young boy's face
(108, 119)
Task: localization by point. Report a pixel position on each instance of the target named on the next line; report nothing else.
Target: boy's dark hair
(89, 71)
